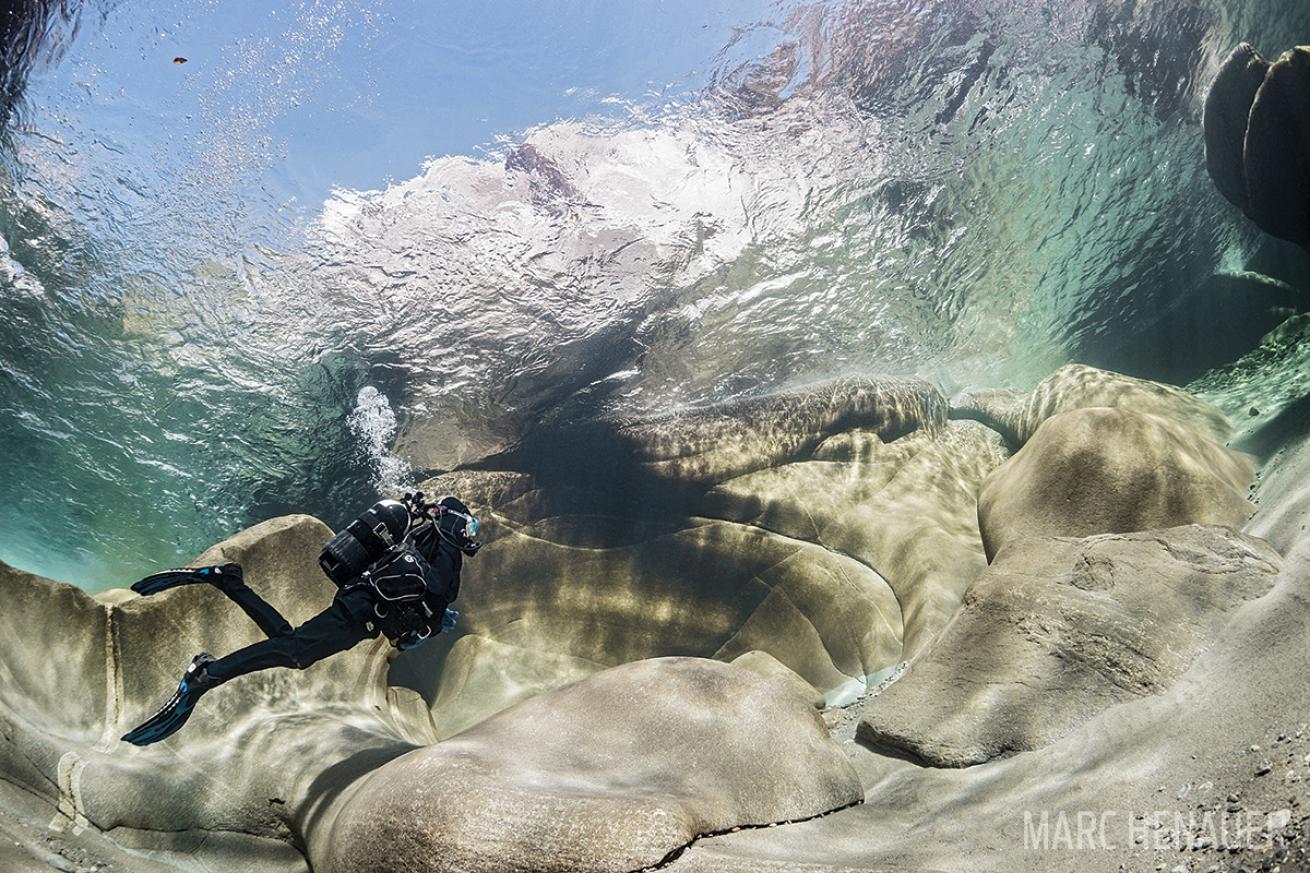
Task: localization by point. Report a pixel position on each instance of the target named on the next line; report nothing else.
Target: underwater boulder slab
(257, 755)
(1277, 150)
(1227, 111)
(561, 594)
(612, 773)
(1017, 416)
(1059, 629)
(907, 508)
(1101, 470)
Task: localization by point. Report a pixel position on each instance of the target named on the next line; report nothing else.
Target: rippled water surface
(344, 244)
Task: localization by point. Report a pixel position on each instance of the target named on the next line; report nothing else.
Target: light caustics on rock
(630, 346)
(966, 193)
(587, 718)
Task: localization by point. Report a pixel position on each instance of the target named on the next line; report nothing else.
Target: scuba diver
(396, 568)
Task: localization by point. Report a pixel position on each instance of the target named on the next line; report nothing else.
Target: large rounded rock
(1017, 415)
(1227, 109)
(1102, 470)
(1257, 133)
(1058, 630)
(612, 773)
(1277, 150)
(234, 789)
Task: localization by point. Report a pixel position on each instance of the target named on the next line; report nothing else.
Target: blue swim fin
(162, 581)
(163, 724)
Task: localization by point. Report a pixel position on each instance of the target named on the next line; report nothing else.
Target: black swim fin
(163, 724)
(162, 581)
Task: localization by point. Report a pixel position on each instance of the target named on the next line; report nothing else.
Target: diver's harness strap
(376, 539)
(397, 579)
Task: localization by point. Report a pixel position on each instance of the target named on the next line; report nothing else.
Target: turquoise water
(344, 245)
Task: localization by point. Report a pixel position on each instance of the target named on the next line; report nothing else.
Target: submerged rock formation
(575, 594)
(1100, 452)
(267, 758)
(1017, 414)
(614, 773)
(906, 508)
(1058, 629)
(833, 528)
(237, 789)
(637, 674)
(1227, 113)
(1257, 129)
(1104, 470)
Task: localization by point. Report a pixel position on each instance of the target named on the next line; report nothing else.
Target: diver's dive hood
(457, 525)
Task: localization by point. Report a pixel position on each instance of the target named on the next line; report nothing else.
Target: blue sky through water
(352, 94)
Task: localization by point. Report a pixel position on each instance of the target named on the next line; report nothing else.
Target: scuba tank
(377, 550)
(364, 541)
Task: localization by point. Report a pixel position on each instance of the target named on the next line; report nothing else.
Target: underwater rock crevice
(113, 680)
(677, 853)
(897, 621)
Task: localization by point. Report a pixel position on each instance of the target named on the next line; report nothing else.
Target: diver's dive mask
(458, 528)
(470, 523)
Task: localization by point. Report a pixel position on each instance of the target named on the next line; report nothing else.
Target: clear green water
(318, 259)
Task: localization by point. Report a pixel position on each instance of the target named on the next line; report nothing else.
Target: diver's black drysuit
(351, 618)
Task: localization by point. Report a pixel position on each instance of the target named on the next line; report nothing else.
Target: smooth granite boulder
(1103, 470)
(1058, 630)
(1017, 415)
(1257, 133)
(235, 789)
(1277, 152)
(616, 772)
(1227, 112)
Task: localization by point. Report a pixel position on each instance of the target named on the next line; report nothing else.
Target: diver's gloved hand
(409, 640)
(412, 638)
